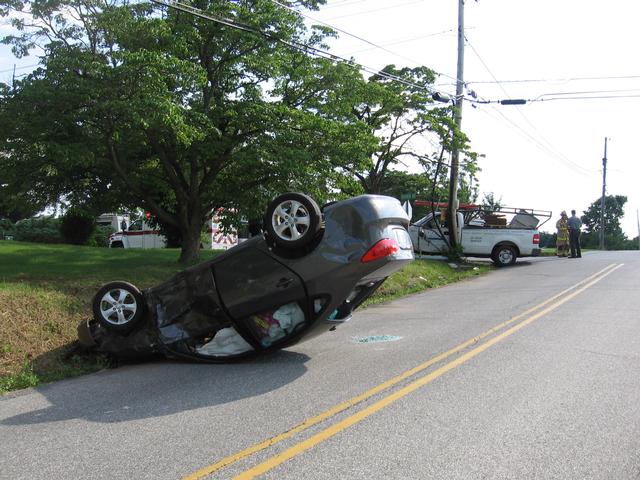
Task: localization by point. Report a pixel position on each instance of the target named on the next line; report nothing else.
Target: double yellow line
(529, 317)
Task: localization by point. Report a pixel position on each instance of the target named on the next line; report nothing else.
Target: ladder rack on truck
(499, 217)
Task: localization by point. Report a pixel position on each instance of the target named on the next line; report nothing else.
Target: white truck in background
(139, 234)
(502, 234)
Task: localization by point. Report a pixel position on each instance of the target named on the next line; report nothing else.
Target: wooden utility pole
(604, 188)
(638, 220)
(455, 154)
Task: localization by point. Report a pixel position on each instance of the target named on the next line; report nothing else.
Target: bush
(77, 227)
(7, 229)
(39, 230)
(100, 237)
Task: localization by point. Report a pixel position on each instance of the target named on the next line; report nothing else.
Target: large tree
(614, 237)
(172, 112)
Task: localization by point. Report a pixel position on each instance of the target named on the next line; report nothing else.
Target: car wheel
(292, 220)
(504, 255)
(118, 306)
(117, 245)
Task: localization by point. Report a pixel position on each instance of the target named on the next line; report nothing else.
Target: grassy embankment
(46, 290)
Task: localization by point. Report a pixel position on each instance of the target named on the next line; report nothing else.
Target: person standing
(562, 238)
(575, 224)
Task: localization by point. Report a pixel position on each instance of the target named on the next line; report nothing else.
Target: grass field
(46, 290)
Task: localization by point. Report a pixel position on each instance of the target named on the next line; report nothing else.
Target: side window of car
(135, 226)
(276, 323)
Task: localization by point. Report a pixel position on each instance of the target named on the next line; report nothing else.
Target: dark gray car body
(325, 281)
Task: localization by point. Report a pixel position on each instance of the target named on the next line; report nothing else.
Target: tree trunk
(190, 252)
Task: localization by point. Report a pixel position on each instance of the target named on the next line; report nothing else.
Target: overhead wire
(407, 40)
(307, 49)
(357, 37)
(599, 97)
(364, 12)
(531, 139)
(342, 4)
(550, 147)
(555, 80)
(9, 70)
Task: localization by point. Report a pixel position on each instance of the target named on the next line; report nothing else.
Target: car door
(266, 300)
(430, 239)
(134, 234)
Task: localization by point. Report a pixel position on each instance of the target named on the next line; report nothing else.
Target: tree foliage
(178, 113)
(181, 115)
(614, 237)
(408, 127)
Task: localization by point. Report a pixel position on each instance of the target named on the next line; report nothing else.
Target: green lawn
(46, 290)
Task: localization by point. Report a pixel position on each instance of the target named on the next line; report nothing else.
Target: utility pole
(638, 220)
(455, 154)
(604, 188)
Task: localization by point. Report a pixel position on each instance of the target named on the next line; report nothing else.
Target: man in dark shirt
(574, 235)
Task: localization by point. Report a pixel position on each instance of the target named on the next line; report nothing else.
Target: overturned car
(302, 275)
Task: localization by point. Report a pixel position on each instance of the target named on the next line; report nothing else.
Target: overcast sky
(546, 154)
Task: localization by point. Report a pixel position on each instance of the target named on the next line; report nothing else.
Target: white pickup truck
(503, 234)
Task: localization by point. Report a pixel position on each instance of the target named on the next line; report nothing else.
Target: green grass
(421, 275)
(46, 290)
(19, 260)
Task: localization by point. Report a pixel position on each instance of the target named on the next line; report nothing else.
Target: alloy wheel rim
(290, 220)
(118, 306)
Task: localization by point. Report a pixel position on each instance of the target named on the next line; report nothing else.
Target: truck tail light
(536, 239)
(381, 249)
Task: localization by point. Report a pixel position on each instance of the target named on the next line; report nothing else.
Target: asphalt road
(528, 372)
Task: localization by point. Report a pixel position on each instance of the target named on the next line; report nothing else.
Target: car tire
(117, 245)
(504, 255)
(118, 306)
(292, 220)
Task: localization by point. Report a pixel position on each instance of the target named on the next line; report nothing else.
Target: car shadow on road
(162, 388)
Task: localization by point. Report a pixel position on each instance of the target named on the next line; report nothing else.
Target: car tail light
(536, 239)
(381, 249)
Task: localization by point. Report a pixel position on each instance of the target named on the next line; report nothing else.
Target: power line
(549, 145)
(337, 29)
(599, 97)
(587, 92)
(364, 40)
(12, 69)
(306, 49)
(527, 136)
(342, 4)
(407, 40)
(542, 98)
(552, 80)
(364, 12)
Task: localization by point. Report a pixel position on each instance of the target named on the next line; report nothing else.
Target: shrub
(7, 228)
(100, 237)
(77, 227)
(39, 230)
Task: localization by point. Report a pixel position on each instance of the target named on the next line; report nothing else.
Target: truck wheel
(292, 220)
(118, 306)
(504, 255)
(117, 245)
